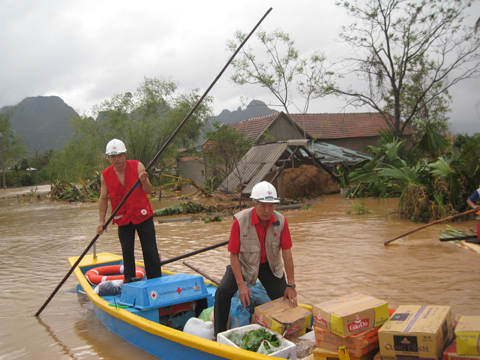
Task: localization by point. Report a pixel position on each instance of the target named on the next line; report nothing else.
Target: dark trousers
(274, 286)
(146, 233)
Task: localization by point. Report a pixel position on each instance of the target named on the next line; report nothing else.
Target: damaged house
(283, 144)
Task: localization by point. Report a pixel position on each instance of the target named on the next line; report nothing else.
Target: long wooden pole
(161, 151)
(194, 253)
(433, 223)
(206, 276)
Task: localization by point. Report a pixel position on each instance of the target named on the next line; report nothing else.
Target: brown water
(334, 254)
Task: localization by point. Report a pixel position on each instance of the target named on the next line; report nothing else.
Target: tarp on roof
(330, 154)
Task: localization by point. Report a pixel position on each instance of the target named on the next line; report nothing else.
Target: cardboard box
(350, 314)
(280, 317)
(325, 354)
(468, 335)
(357, 345)
(414, 331)
(288, 350)
(378, 356)
(451, 354)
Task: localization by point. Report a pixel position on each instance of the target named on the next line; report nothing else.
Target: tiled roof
(326, 126)
(337, 126)
(254, 127)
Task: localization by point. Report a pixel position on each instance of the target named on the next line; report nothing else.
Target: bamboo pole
(427, 225)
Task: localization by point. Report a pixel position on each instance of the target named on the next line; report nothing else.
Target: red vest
(137, 208)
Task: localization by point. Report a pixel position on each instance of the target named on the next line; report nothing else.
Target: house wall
(359, 143)
(281, 130)
(194, 169)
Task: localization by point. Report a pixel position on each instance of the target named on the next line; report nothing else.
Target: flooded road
(334, 254)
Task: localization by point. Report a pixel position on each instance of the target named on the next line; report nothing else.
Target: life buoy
(110, 272)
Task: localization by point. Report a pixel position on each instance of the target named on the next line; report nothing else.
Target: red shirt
(234, 242)
(136, 208)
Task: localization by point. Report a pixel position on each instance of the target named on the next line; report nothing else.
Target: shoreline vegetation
(428, 187)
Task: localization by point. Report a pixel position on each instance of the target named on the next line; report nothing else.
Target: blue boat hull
(155, 345)
(141, 328)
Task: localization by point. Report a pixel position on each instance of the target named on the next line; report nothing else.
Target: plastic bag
(205, 314)
(263, 348)
(107, 288)
(240, 315)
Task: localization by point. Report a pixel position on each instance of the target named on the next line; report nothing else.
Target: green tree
(388, 152)
(143, 120)
(224, 150)
(79, 159)
(468, 159)
(282, 70)
(410, 52)
(146, 119)
(14, 148)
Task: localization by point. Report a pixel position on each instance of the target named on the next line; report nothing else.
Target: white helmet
(115, 147)
(265, 192)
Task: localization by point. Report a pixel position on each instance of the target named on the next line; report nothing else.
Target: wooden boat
(142, 329)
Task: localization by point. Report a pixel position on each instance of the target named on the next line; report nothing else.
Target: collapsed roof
(262, 159)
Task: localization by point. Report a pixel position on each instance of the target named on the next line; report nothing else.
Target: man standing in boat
(256, 238)
(136, 213)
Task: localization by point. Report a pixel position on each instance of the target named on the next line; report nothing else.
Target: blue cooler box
(163, 291)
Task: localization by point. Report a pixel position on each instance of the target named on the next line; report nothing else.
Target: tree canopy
(143, 120)
(408, 54)
(224, 150)
(282, 70)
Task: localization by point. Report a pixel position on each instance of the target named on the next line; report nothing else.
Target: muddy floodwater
(334, 254)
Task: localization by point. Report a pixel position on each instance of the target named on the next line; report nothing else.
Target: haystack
(307, 180)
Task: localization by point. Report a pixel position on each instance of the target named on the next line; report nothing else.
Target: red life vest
(137, 208)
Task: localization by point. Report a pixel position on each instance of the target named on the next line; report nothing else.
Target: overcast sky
(87, 51)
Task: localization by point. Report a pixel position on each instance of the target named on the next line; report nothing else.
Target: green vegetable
(252, 339)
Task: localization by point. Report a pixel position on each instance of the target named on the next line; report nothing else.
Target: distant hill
(42, 122)
(256, 108)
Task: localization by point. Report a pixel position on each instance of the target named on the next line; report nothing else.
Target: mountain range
(43, 121)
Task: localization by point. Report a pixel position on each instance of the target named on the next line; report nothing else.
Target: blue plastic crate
(163, 291)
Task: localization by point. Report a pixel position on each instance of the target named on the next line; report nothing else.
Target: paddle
(433, 223)
(161, 151)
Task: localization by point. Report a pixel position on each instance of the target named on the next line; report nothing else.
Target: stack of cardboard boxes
(365, 326)
(352, 321)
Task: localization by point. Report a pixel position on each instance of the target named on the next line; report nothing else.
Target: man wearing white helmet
(136, 213)
(259, 239)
